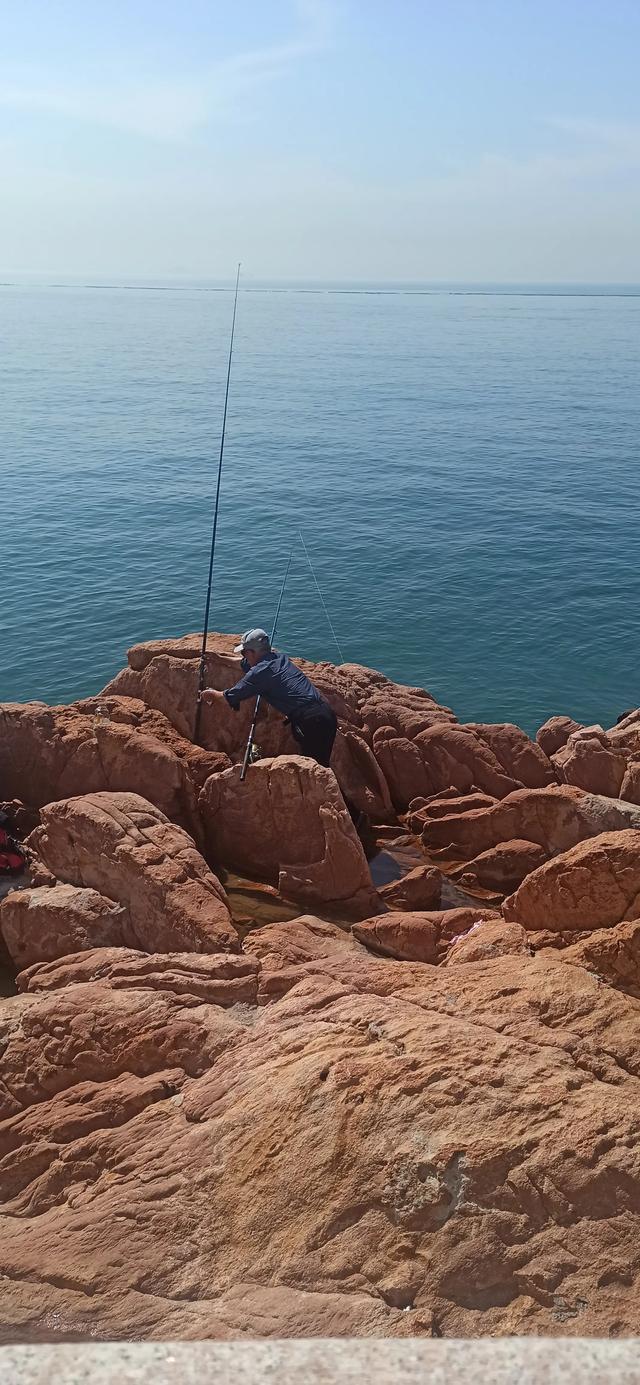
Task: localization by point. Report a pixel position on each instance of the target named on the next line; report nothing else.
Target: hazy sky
(393, 139)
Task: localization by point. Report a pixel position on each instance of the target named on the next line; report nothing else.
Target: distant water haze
(462, 460)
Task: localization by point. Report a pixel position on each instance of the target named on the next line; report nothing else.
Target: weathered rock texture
(502, 867)
(555, 818)
(594, 885)
(419, 936)
(287, 823)
(127, 850)
(220, 979)
(41, 924)
(381, 1118)
(418, 889)
(487, 939)
(384, 1150)
(49, 753)
(611, 953)
(589, 760)
(555, 733)
(407, 936)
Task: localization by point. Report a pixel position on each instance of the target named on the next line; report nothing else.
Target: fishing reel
(255, 753)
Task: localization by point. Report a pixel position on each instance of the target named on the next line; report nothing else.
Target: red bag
(12, 859)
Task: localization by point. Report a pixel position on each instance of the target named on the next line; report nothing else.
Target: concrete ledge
(489, 1361)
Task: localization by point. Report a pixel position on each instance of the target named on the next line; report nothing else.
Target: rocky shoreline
(264, 1075)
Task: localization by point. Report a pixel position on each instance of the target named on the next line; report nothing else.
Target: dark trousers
(315, 732)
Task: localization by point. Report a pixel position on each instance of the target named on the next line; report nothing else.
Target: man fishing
(272, 676)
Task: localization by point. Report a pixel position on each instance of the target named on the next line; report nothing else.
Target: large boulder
(421, 935)
(453, 1154)
(594, 885)
(132, 711)
(612, 954)
(590, 761)
(521, 758)
(457, 756)
(446, 804)
(420, 888)
(402, 765)
(127, 850)
(287, 824)
(49, 753)
(501, 868)
(486, 939)
(409, 936)
(305, 939)
(555, 733)
(43, 923)
(556, 818)
(439, 758)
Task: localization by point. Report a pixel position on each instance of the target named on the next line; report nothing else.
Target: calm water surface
(464, 466)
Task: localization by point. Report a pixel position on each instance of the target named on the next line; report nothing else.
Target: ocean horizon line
(214, 284)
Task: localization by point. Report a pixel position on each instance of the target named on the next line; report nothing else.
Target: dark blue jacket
(281, 684)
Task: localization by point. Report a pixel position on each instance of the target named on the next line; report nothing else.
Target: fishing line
(249, 745)
(324, 607)
(205, 629)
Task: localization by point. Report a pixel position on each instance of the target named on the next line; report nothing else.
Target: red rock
(359, 775)
(173, 1170)
(420, 936)
(455, 756)
(452, 923)
(418, 889)
(555, 733)
(556, 818)
(41, 924)
(439, 758)
(421, 811)
(287, 824)
(402, 765)
(594, 885)
(218, 979)
(521, 758)
(502, 868)
(168, 680)
(131, 711)
(589, 761)
(305, 939)
(625, 735)
(49, 753)
(630, 787)
(612, 954)
(126, 849)
(487, 939)
(407, 936)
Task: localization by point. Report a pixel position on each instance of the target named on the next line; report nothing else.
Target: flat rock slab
(390, 1150)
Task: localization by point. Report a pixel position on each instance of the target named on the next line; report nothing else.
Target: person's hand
(211, 696)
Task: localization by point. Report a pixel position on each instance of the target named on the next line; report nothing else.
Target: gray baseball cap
(253, 639)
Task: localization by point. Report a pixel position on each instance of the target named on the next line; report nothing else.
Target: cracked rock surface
(435, 1151)
(410, 1110)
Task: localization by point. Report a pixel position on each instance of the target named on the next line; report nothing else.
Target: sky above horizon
(421, 140)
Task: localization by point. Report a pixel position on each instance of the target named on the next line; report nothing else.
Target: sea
(461, 461)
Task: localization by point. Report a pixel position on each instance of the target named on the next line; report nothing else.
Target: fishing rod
(249, 747)
(205, 630)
